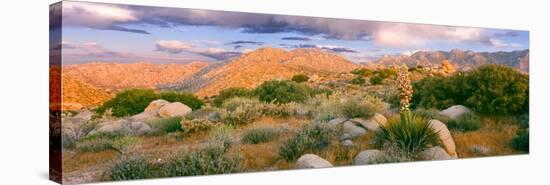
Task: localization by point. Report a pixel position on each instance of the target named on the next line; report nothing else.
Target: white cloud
(172, 46)
(501, 44)
(96, 15)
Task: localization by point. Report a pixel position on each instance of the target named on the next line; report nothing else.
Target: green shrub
(359, 80)
(131, 168)
(212, 159)
(376, 80)
(232, 92)
(260, 135)
(523, 120)
(521, 140)
(300, 78)
(362, 71)
(387, 72)
(106, 141)
(240, 111)
(167, 125)
(195, 125)
(409, 137)
(129, 102)
(186, 98)
(317, 91)
(490, 89)
(310, 139)
(281, 92)
(466, 122)
(94, 145)
(355, 109)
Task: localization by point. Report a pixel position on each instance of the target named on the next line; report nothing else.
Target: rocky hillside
(117, 76)
(77, 95)
(253, 68)
(463, 60)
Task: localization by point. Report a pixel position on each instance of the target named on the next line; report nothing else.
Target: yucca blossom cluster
(404, 88)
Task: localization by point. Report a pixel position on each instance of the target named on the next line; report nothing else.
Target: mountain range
(462, 60)
(92, 83)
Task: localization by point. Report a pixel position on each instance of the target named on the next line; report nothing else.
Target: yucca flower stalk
(405, 92)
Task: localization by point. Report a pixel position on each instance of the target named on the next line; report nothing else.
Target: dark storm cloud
(120, 28)
(237, 46)
(296, 38)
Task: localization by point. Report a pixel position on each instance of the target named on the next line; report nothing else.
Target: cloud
(99, 16)
(172, 46)
(245, 42)
(382, 34)
(296, 38)
(176, 47)
(507, 34)
(333, 48)
(501, 44)
(90, 49)
(237, 46)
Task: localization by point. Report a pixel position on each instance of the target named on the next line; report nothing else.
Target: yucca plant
(411, 136)
(409, 133)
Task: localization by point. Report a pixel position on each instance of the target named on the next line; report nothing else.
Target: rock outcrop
(312, 161)
(444, 136)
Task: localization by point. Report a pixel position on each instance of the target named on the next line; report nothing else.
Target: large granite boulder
(312, 161)
(434, 153)
(444, 136)
(455, 111)
(368, 157)
(174, 109)
(353, 130)
(123, 126)
(155, 106)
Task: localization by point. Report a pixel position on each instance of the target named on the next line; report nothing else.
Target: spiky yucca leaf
(409, 133)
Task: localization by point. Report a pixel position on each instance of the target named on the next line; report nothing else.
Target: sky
(97, 32)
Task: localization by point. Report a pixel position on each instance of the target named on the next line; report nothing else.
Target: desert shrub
(259, 135)
(429, 114)
(310, 139)
(387, 72)
(354, 109)
(376, 80)
(340, 105)
(465, 122)
(129, 102)
(131, 168)
(230, 93)
(186, 98)
(523, 120)
(320, 91)
(300, 78)
(410, 137)
(362, 71)
(490, 89)
(167, 125)
(106, 141)
(195, 125)
(359, 80)
(211, 159)
(281, 92)
(521, 140)
(239, 111)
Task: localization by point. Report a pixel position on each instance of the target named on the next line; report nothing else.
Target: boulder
(455, 111)
(368, 157)
(347, 143)
(155, 105)
(214, 117)
(444, 136)
(123, 126)
(85, 115)
(370, 125)
(337, 121)
(174, 109)
(434, 153)
(346, 136)
(353, 130)
(145, 116)
(380, 119)
(312, 161)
